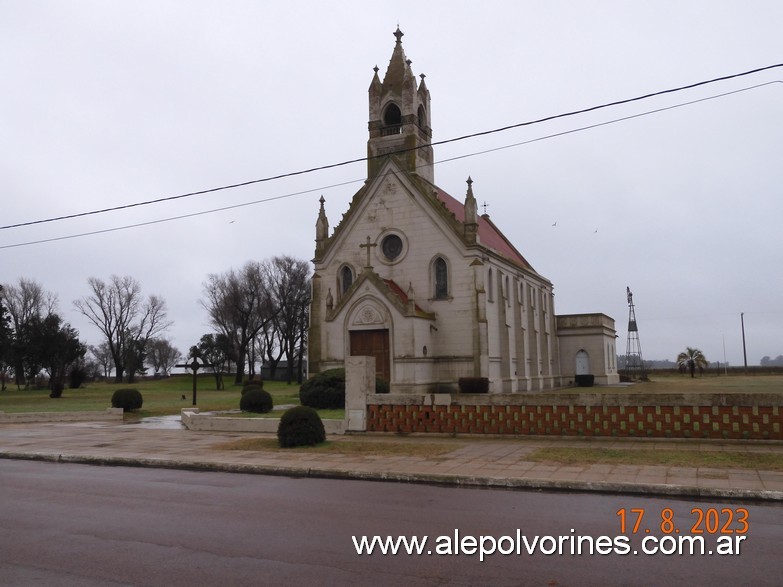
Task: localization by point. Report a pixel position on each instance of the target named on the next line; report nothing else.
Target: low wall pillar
(359, 382)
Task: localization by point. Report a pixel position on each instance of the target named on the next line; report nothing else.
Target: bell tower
(400, 118)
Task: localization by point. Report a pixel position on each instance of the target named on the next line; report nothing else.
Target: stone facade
(422, 282)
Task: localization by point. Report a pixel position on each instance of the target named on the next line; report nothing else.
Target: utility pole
(744, 351)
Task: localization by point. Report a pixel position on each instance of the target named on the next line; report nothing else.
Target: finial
(469, 182)
(375, 69)
(322, 200)
(408, 62)
(422, 76)
(399, 34)
(485, 206)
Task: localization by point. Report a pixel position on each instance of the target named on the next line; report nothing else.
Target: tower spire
(399, 122)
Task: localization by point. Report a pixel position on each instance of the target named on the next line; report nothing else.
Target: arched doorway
(582, 363)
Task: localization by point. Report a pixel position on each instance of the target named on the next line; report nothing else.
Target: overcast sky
(106, 104)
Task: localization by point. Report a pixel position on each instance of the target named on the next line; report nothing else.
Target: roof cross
(368, 246)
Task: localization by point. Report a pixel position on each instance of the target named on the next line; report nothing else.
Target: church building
(427, 285)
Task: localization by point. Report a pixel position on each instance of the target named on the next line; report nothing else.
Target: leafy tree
(239, 306)
(24, 302)
(215, 349)
(768, 362)
(126, 319)
(692, 359)
(6, 339)
(162, 356)
(57, 346)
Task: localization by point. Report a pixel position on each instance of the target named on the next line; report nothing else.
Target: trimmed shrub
(381, 385)
(77, 377)
(300, 426)
(127, 399)
(473, 384)
(324, 391)
(252, 384)
(256, 400)
(584, 380)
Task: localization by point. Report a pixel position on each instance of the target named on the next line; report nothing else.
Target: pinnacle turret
(400, 117)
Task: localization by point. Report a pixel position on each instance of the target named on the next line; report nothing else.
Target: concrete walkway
(466, 460)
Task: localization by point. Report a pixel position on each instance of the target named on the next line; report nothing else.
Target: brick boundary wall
(763, 422)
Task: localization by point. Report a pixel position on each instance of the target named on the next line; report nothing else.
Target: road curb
(469, 481)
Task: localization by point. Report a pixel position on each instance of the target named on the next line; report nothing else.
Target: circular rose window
(391, 247)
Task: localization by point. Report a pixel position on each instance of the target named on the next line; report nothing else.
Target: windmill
(634, 364)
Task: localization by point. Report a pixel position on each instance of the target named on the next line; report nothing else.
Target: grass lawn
(671, 458)
(708, 383)
(162, 397)
(354, 446)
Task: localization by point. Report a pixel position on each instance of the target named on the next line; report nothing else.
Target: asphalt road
(65, 524)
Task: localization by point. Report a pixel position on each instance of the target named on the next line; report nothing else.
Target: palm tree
(692, 359)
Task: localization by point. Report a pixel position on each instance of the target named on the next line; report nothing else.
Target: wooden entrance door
(373, 343)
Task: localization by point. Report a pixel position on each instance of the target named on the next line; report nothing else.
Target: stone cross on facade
(369, 245)
(195, 366)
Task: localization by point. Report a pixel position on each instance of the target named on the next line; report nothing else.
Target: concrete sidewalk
(465, 460)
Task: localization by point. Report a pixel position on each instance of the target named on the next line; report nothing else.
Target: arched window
(422, 117)
(441, 271)
(392, 118)
(346, 279)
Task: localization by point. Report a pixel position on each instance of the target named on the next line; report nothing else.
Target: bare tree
(239, 306)
(26, 302)
(125, 318)
(162, 356)
(102, 356)
(289, 283)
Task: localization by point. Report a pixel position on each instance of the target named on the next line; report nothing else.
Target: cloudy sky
(106, 104)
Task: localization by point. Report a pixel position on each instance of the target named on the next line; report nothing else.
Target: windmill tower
(634, 364)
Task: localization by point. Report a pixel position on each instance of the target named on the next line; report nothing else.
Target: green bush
(300, 426)
(256, 400)
(127, 399)
(473, 384)
(584, 380)
(325, 391)
(76, 377)
(252, 384)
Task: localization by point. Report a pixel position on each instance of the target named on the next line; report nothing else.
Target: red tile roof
(489, 234)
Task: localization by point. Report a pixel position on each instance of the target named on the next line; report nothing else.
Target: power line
(361, 159)
(613, 121)
(321, 188)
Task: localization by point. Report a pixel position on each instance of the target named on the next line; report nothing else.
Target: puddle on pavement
(160, 423)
